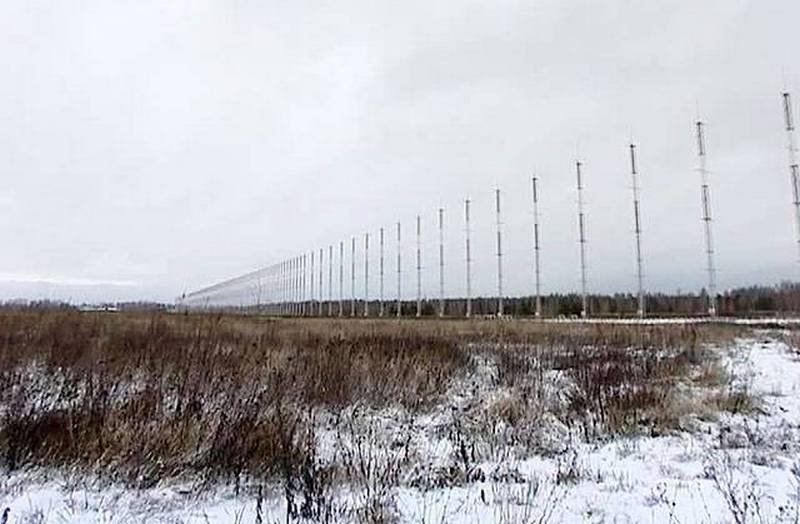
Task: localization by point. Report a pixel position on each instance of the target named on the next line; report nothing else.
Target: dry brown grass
(140, 398)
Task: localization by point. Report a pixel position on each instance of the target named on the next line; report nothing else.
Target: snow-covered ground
(727, 468)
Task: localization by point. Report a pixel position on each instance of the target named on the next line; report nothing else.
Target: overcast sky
(153, 147)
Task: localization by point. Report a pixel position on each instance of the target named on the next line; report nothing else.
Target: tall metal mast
(788, 115)
(499, 256)
(441, 262)
(366, 274)
(536, 248)
(321, 297)
(353, 277)
(399, 276)
(468, 259)
(303, 265)
(419, 266)
(311, 279)
(706, 202)
(330, 280)
(637, 230)
(381, 307)
(582, 240)
(341, 278)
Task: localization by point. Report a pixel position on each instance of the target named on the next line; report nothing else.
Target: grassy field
(313, 405)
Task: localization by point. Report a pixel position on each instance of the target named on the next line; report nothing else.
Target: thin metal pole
(441, 262)
(419, 266)
(366, 275)
(300, 275)
(330, 280)
(286, 286)
(468, 259)
(536, 248)
(706, 202)
(341, 278)
(582, 241)
(637, 230)
(353, 277)
(399, 276)
(311, 282)
(499, 256)
(321, 296)
(794, 171)
(303, 285)
(381, 307)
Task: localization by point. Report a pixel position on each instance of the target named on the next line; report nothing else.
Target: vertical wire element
(381, 306)
(705, 194)
(303, 285)
(366, 275)
(499, 255)
(399, 276)
(441, 262)
(419, 266)
(536, 249)
(311, 279)
(286, 287)
(292, 286)
(330, 280)
(353, 277)
(468, 313)
(794, 171)
(637, 231)
(582, 240)
(321, 296)
(341, 278)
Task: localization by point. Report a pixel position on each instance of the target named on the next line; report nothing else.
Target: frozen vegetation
(110, 418)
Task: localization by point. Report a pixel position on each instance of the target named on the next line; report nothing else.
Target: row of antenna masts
(289, 286)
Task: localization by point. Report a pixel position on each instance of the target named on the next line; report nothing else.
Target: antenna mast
(637, 230)
(366, 274)
(311, 279)
(441, 262)
(330, 280)
(788, 115)
(468, 259)
(341, 278)
(419, 266)
(321, 297)
(706, 201)
(582, 240)
(380, 307)
(399, 275)
(536, 248)
(499, 257)
(353, 276)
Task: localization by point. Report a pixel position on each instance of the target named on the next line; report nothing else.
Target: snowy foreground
(725, 468)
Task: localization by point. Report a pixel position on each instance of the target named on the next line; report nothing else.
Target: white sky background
(149, 148)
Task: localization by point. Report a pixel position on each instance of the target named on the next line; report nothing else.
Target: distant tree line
(783, 298)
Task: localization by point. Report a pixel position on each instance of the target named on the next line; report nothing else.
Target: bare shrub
(139, 398)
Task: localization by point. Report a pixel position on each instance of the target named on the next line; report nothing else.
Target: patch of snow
(697, 476)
